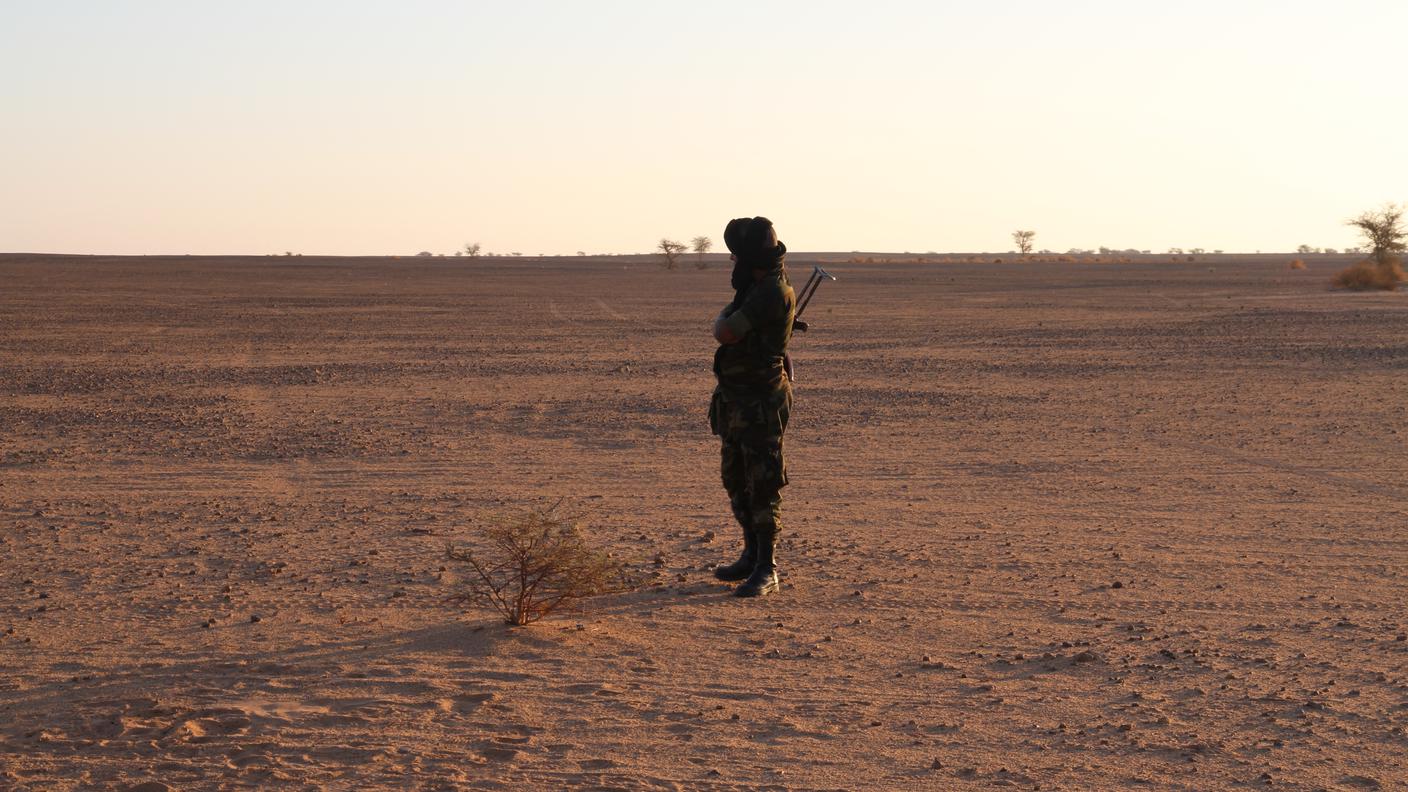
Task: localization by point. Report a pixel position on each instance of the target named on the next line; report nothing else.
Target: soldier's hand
(799, 326)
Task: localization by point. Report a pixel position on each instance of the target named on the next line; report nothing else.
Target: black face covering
(742, 276)
(754, 245)
(743, 268)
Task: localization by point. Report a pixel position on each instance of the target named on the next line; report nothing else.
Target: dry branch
(533, 564)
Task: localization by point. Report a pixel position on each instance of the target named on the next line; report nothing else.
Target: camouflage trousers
(753, 468)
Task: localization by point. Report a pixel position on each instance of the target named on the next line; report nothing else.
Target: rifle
(808, 289)
(804, 298)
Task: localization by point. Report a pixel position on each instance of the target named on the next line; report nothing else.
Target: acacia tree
(702, 245)
(471, 249)
(1383, 230)
(1024, 241)
(670, 250)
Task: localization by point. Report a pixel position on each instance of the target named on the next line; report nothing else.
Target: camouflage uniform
(752, 403)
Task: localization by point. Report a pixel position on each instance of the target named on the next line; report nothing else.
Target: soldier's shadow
(642, 600)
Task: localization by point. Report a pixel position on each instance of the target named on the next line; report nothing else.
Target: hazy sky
(343, 126)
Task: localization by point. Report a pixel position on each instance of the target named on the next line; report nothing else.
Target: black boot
(763, 580)
(741, 568)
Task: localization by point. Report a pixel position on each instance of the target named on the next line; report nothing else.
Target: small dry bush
(535, 563)
(1297, 264)
(1368, 275)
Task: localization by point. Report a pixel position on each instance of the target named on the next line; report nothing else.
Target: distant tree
(424, 254)
(515, 253)
(1328, 251)
(670, 250)
(1383, 230)
(581, 252)
(471, 249)
(1024, 241)
(1196, 251)
(1175, 251)
(1303, 249)
(701, 245)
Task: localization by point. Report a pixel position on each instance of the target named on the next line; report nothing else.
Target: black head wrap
(753, 242)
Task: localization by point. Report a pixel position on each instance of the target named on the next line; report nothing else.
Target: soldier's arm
(762, 305)
(725, 333)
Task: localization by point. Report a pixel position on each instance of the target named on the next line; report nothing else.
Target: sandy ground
(1051, 526)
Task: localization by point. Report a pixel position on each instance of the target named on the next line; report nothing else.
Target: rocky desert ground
(1052, 525)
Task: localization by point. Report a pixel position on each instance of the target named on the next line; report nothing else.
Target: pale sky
(355, 127)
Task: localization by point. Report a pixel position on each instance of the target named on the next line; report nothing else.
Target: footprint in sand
(208, 725)
(495, 754)
(578, 688)
(149, 786)
(597, 764)
(276, 709)
(462, 705)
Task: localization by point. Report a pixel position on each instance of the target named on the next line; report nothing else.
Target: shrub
(1369, 274)
(533, 564)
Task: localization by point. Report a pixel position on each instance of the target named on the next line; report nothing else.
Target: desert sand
(1080, 526)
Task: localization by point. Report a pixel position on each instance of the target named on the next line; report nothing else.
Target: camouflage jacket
(762, 315)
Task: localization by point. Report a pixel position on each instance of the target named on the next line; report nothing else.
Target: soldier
(753, 399)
